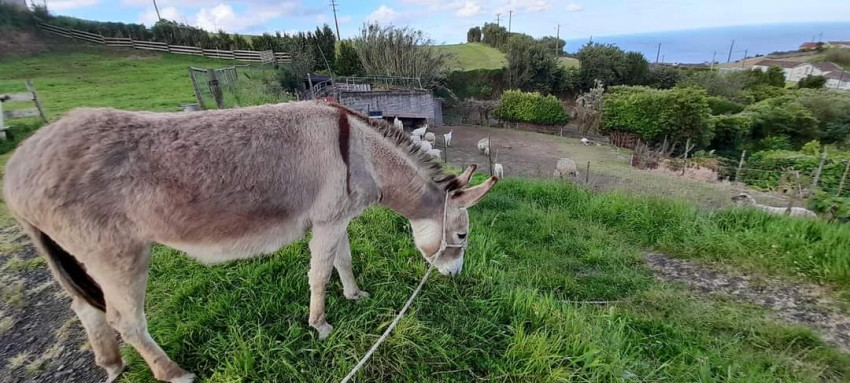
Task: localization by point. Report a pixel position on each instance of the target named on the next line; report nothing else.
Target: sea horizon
(700, 45)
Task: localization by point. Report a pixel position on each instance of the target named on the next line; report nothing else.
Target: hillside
(474, 56)
(840, 56)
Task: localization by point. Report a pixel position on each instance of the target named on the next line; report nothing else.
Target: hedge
(531, 107)
(777, 161)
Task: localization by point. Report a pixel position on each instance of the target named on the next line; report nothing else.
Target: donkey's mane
(402, 140)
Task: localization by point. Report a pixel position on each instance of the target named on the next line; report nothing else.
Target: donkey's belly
(246, 246)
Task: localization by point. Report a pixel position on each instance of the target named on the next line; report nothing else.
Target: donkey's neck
(405, 188)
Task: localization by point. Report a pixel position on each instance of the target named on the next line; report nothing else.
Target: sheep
(586, 141)
(447, 138)
(435, 153)
(566, 166)
(498, 171)
(484, 145)
(416, 139)
(745, 199)
(430, 137)
(420, 131)
(398, 124)
(425, 146)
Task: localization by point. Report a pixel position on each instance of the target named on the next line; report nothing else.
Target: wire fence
(238, 85)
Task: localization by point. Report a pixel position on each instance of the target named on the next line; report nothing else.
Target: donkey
(95, 189)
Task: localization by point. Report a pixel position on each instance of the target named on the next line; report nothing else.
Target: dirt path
(799, 303)
(41, 339)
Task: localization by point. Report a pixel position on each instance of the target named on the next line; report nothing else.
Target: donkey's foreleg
(323, 249)
(342, 262)
(101, 338)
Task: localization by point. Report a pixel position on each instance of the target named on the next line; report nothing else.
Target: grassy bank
(535, 249)
(475, 56)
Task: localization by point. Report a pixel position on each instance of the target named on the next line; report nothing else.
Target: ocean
(698, 45)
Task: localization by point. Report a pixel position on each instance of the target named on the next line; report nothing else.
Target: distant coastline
(698, 45)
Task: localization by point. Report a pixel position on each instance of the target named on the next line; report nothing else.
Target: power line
(657, 53)
(336, 23)
(729, 58)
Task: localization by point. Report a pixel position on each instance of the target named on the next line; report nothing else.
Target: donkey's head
(442, 240)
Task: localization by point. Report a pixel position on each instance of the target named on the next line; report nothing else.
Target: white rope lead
(389, 329)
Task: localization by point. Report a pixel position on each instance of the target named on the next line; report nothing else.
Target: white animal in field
(425, 146)
(484, 145)
(745, 199)
(564, 167)
(586, 141)
(430, 137)
(416, 139)
(447, 138)
(420, 131)
(435, 153)
(398, 124)
(498, 171)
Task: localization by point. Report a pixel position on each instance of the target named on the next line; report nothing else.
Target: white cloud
(383, 15)
(468, 9)
(525, 6)
(62, 5)
(344, 19)
(573, 7)
(148, 17)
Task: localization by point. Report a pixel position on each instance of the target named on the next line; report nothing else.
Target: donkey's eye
(461, 235)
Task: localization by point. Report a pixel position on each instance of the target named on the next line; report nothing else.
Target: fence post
(687, 149)
(740, 165)
(843, 178)
(215, 89)
(490, 154)
(587, 174)
(797, 194)
(31, 89)
(197, 89)
(820, 169)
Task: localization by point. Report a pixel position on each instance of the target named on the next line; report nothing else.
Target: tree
(813, 82)
(663, 77)
(473, 35)
(588, 110)
(495, 36)
(775, 77)
(531, 67)
(348, 64)
(783, 116)
(323, 44)
(402, 52)
(612, 66)
(553, 44)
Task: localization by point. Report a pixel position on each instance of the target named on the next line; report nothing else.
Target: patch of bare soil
(799, 303)
(20, 43)
(41, 340)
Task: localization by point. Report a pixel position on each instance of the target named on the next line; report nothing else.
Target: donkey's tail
(68, 271)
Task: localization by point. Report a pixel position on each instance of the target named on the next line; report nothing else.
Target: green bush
(783, 116)
(347, 62)
(731, 130)
(812, 82)
(16, 17)
(679, 113)
(720, 105)
(518, 106)
(108, 29)
(771, 164)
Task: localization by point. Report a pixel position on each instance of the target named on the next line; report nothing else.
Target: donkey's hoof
(187, 378)
(113, 373)
(324, 330)
(360, 294)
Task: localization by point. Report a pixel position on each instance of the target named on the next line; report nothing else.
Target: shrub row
(531, 107)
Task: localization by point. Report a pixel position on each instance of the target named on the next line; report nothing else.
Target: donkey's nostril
(461, 235)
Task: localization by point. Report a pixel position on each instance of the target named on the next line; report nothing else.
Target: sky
(446, 21)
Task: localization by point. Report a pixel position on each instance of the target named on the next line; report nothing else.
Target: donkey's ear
(467, 197)
(464, 177)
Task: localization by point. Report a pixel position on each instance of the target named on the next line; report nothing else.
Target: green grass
(568, 62)
(535, 248)
(472, 56)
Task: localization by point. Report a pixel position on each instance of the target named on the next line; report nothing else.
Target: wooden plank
(26, 96)
(196, 87)
(31, 89)
(21, 113)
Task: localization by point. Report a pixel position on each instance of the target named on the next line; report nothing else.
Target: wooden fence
(126, 42)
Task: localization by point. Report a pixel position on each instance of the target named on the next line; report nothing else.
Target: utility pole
(820, 37)
(713, 56)
(558, 41)
(744, 61)
(336, 23)
(498, 18)
(510, 18)
(729, 58)
(657, 53)
(157, 11)
(840, 78)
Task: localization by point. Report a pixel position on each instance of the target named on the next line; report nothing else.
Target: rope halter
(443, 244)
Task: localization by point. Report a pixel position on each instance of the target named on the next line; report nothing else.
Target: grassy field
(474, 56)
(568, 62)
(537, 250)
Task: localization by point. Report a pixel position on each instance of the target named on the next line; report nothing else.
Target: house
(795, 71)
(838, 44)
(838, 80)
(810, 46)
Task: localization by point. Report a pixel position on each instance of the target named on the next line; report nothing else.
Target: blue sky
(446, 21)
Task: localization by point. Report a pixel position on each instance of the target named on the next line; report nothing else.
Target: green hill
(474, 56)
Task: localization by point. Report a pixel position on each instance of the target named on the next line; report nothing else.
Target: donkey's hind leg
(101, 337)
(124, 292)
(323, 250)
(342, 262)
